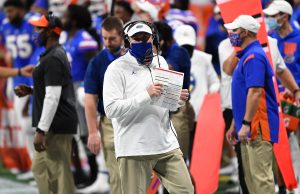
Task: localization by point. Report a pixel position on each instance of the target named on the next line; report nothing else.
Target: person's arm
(50, 105)
(90, 107)
(230, 63)
(213, 80)
(8, 72)
(92, 88)
(288, 81)
(253, 98)
(231, 134)
(11, 72)
(252, 104)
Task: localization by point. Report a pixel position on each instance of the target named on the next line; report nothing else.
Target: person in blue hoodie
(278, 20)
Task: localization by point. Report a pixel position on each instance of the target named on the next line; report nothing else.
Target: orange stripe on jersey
(248, 58)
(261, 120)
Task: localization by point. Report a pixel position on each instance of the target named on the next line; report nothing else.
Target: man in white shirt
(144, 138)
(204, 79)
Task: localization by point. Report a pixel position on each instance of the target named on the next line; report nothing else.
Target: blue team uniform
(295, 18)
(177, 17)
(34, 59)
(254, 70)
(42, 4)
(94, 77)
(213, 37)
(19, 42)
(179, 59)
(2, 17)
(76, 48)
(289, 47)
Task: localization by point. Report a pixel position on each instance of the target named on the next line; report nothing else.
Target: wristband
(19, 72)
(248, 123)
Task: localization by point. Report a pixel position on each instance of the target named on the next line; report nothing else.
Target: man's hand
(27, 70)
(287, 94)
(231, 136)
(39, 142)
(184, 96)
(297, 98)
(23, 90)
(155, 90)
(94, 141)
(243, 134)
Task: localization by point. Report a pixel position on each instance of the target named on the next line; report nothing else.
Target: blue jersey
(2, 17)
(97, 24)
(42, 4)
(177, 17)
(19, 42)
(34, 59)
(254, 70)
(289, 47)
(179, 59)
(213, 37)
(295, 18)
(93, 81)
(76, 48)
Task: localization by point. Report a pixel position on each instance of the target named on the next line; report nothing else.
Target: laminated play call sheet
(172, 85)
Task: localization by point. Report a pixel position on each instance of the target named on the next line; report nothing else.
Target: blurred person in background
(204, 79)
(180, 14)
(214, 35)
(123, 10)
(16, 36)
(178, 59)
(288, 39)
(112, 33)
(99, 11)
(296, 13)
(295, 17)
(58, 7)
(11, 72)
(144, 11)
(80, 47)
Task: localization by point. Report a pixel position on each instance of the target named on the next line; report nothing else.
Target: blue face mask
(273, 24)
(235, 39)
(142, 51)
(37, 38)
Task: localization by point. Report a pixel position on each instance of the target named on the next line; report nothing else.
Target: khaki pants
(136, 173)
(257, 159)
(52, 168)
(183, 122)
(107, 137)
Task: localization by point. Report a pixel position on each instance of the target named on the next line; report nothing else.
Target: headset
(51, 20)
(128, 26)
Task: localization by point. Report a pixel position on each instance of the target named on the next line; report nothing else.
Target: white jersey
(204, 79)
(225, 49)
(140, 128)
